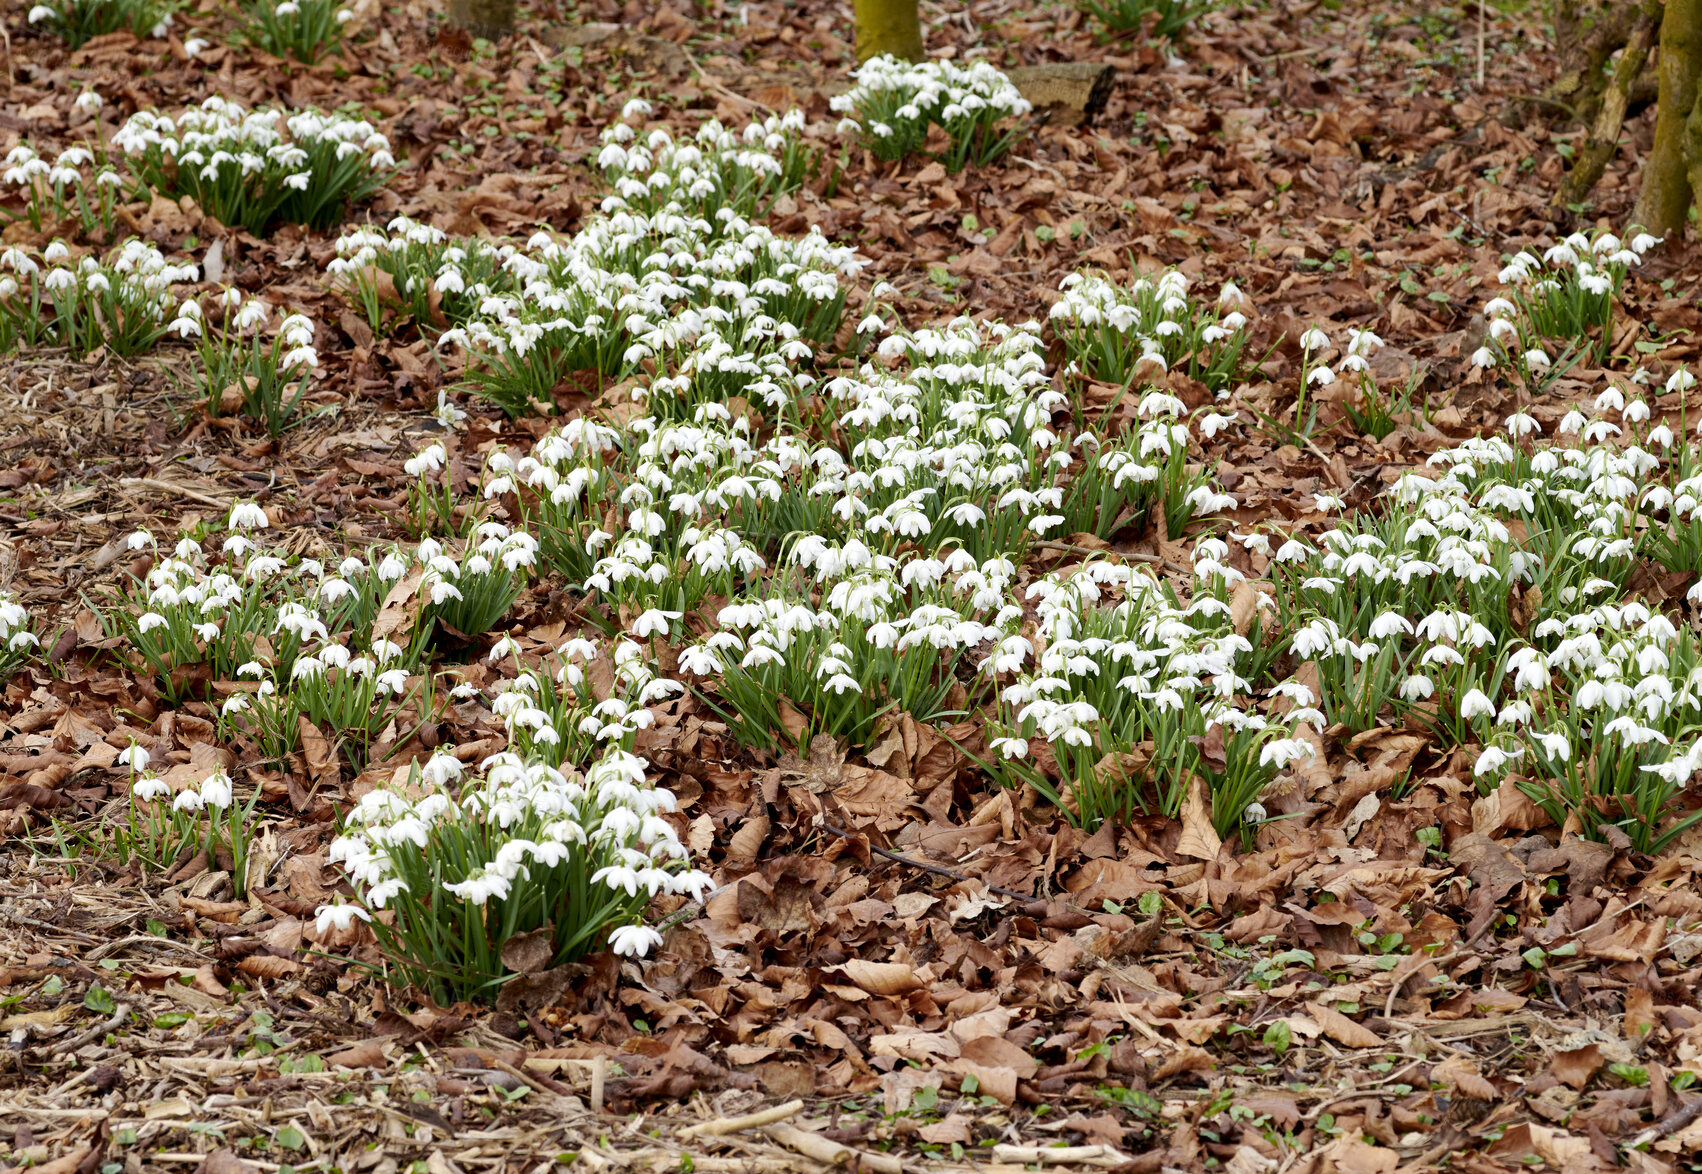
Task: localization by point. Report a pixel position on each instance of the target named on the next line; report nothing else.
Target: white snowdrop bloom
(634, 941)
(1475, 704)
(246, 515)
(1520, 425)
(338, 917)
(1417, 687)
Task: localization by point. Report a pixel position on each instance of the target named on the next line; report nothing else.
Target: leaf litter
(943, 973)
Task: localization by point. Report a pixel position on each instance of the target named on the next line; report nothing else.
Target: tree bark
(1604, 136)
(1579, 83)
(483, 18)
(887, 26)
(1664, 202)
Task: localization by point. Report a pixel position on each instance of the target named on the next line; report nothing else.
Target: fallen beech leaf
(268, 966)
(1464, 1076)
(882, 978)
(1199, 838)
(1342, 1029)
(366, 1054)
(1577, 1066)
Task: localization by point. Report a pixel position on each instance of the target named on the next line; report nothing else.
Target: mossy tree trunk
(1664, 202)
(1586, 40)
(888, 26)
(483, 18)
(1603, 141)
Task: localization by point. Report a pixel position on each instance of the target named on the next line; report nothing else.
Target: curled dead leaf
(882, 978)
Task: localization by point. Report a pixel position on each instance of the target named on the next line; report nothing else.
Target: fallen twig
(832, 1153)
(92, 1034)
(937, 870)
(1087, 1155)
(1671, 1123)
(724, 1125)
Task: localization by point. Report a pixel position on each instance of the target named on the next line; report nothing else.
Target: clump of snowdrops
(894, 102)
(258, 168)
(1562, 299)
(303, 29)
(418, 272)
(1136, 702)
(1168, 18)
(1118, 334)
(77, 184)
(16, 635)
(79, 20)
(55, 297)
(717, 168)
(162, 828)
(672, 275)
(244, 369)
(461, 865)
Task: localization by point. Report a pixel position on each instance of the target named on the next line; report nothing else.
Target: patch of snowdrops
(257, 168)
(84, 303)
(672, 273)
(17, 635)
(1116, 334)
(407, 269)
(449, 868)
(78, 183)
(160, 826)
(1561, 302)
(893, 103)
(303, 29)
(1492, 604)
(79, 20)
(248, 363)
(272, 639)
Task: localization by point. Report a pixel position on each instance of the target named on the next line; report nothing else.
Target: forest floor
(1106, 1002)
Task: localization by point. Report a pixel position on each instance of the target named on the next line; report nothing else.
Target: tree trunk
(1604, 136)
(887, 26)
(483, 18)
(1664, 202)
(1578, 85)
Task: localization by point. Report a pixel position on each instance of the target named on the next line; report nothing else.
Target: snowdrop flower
(654, 622)
(338, 917)
(1475, 704)
(246, 515)
(1493, 759)
(634, 941)
(1314, 340)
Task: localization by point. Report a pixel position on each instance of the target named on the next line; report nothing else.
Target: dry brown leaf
(1199, 838)
(1462, 1075)
(882, 978)
(1342, 1029)
(1577, 1066)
